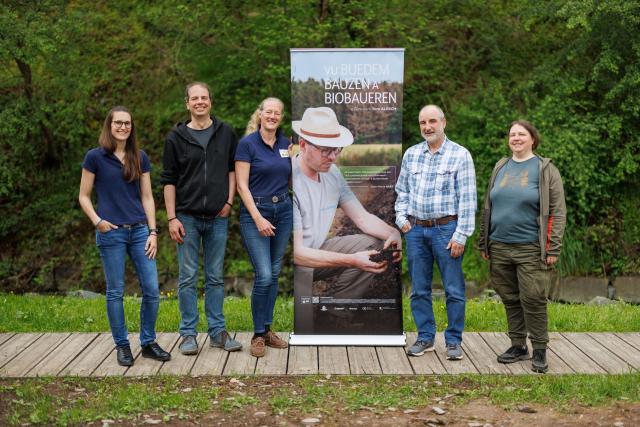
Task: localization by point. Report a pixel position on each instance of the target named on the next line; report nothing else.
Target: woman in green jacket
(521, 232)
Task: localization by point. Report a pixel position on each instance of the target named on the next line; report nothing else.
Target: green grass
(37, 313)
(71, 401)
(80, 400)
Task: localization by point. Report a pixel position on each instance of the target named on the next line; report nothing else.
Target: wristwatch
(153, 229)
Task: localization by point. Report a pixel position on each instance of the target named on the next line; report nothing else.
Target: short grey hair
(440, 112)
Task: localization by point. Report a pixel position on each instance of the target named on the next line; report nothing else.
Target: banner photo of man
(347, 124)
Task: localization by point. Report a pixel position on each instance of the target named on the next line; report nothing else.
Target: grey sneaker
(224, 340)
(189, 345)
(454, 352)
(420, 347)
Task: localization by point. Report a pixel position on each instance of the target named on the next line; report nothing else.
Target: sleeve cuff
(459, 238)
(401, 220)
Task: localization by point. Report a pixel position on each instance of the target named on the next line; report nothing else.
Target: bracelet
(99, 221)
(171, 219)
(229, 204)
(153, 234)
(152, 230)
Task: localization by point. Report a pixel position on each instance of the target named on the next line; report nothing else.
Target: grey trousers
(351, 282)
(521, 279)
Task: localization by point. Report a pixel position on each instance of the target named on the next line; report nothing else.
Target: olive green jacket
(553, 211)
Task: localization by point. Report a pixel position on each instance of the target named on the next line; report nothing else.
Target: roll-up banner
(347, 125)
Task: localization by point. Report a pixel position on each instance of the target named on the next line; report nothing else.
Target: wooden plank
(464, 366)
(274, 361)
(241, 362)
(22, 364)
(68, 350)
(632, 338)
(499, 343)
(598, 353)
(4, 337)
(109, 366)
(482, 356)
(427, 364)
(145, 367)
(303, 360)
(572, 356)
(363, 360)
(16, 345)
(211, 360)
(621, 348)
(333, 360)
(181, 364)
(92, 356)
(393, 361)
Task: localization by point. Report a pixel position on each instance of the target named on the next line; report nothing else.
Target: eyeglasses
(120, 123)
(325, 151)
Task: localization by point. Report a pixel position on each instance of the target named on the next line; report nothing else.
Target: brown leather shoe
(273, 340)
(257, 347)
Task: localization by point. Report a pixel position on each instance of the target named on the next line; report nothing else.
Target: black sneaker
(123, 353)
(539, 361)
(154, 351)
(515, 353)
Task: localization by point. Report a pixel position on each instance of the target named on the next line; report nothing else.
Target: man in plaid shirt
(435, 209)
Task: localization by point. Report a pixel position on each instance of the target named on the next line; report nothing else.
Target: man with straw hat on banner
(319, 189)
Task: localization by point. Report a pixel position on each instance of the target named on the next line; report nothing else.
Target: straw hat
(320, 126)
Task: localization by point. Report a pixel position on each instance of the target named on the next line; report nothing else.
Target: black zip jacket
(201, 176)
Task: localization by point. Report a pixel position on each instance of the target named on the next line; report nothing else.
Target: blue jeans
(114, 245)
(266, 254)
(424, 245)
(212, 233)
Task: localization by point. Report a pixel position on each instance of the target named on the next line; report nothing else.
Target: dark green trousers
(521, 278)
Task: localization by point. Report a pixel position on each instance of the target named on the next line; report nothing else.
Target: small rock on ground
(438, 410)
(310, 421)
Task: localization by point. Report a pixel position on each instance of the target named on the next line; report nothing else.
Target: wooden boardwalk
(93, 355)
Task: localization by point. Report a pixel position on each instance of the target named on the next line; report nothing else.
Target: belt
(432, 222)
(131, 225)
(273, 199)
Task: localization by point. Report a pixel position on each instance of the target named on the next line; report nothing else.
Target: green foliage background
(571, 67)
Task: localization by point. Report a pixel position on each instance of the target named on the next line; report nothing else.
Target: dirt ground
(478, 412)
(475, 414)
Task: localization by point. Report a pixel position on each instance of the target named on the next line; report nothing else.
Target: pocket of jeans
(102, 238)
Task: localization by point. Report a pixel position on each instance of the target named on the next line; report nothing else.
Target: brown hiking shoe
(257, 347)
(273, 340)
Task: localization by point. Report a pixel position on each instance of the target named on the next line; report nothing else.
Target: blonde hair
(254, 122)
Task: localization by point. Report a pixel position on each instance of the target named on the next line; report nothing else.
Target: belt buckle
(274, 199)
(127, 225)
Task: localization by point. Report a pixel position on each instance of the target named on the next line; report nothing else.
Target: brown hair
(535, 135)
(131, 168)
(192, 84)
(254, 122)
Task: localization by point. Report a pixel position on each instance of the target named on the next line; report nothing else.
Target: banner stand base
(349, 340)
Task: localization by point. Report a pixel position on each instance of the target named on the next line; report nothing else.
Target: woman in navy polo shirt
(125, 222)
(263, 169)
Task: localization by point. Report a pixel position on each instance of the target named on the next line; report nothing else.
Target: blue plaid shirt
(431, 186)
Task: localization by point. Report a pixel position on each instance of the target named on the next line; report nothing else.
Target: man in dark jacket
(199, 186)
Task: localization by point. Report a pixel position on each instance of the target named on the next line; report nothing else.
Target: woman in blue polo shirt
(125, 223)
(263, 169)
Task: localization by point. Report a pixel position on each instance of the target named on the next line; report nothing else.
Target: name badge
(284, 153)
